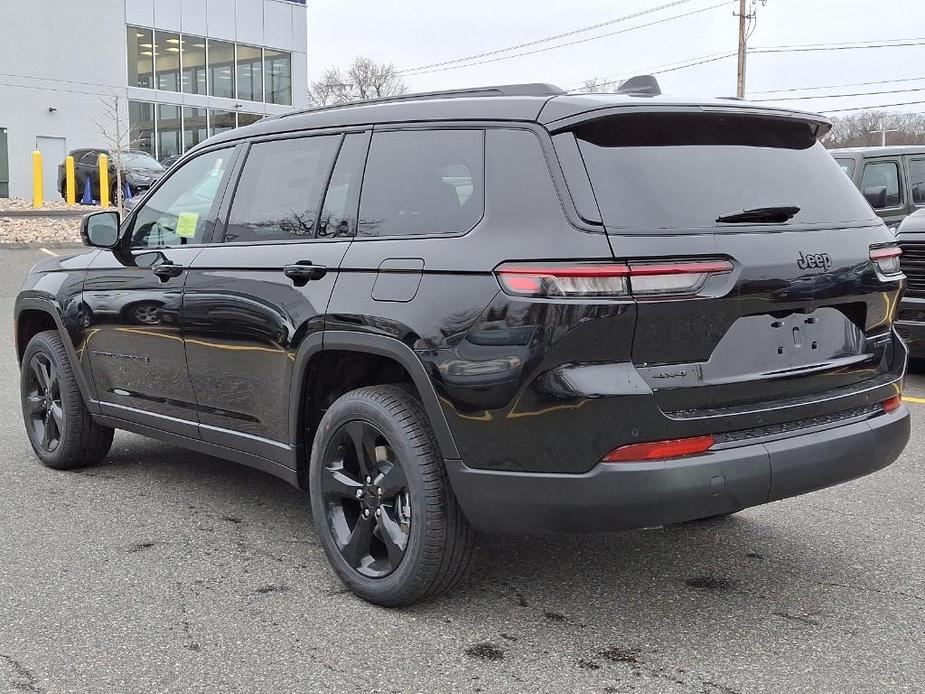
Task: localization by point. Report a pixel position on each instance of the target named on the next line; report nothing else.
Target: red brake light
(659, 450)
(891, 404)
(615, 280)
(887, 259)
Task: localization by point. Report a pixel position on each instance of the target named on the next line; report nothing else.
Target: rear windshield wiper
(770, 215)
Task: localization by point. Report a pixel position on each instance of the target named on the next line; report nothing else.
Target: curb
(48, 214)
(38, 245)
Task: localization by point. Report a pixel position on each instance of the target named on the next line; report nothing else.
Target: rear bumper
(634, 495)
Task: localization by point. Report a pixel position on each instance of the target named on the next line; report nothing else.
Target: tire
(417, 505)
(60, 428)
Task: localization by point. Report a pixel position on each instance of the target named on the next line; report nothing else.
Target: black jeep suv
(506, 309)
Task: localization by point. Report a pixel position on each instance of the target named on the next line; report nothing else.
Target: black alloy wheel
(366, 498)
(44, 408)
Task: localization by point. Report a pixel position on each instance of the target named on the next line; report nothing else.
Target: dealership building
(180, 71)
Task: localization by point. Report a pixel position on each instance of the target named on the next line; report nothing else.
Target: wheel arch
(34, 315)
(388, 361)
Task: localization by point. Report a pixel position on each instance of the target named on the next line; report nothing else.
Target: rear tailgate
(802, 313)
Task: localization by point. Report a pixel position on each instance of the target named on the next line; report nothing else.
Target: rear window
(668, 171)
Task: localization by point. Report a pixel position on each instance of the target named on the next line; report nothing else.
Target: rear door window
(682, 171)
(880, 184)
(423, 182)
(338, 214)
(917, 180)
(279, 191)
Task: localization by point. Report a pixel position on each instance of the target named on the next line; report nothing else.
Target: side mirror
(876, 196)
(100, 229)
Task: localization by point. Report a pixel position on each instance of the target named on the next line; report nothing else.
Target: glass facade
(278, 71)
(169, 131)
(167, 61)
(140, 57)
(221, 69)
(163, 130)
(195, 65)
(250, 73)
(141, 126)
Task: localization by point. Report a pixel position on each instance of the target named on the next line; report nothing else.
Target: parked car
(892, 179)
(167, 162)
(507, 309)
(139, 169)
(910, 321)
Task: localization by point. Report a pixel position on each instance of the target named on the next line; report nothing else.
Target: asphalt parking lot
(163, 570)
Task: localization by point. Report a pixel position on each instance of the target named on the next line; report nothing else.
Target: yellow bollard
(70, 181)
(104, 181)
(37, 199)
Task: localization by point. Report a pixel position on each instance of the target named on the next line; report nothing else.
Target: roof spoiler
(640, 84)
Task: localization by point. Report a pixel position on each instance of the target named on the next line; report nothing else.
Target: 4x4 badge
(814, 261)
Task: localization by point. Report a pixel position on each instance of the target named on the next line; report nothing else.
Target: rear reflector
(659, 450)
(615, 280)
(886, 259)
(891, 404)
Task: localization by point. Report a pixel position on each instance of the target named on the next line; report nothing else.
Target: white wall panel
(249, 22)
(167, 15)
(221, 19)
(193, 17)
(140, 12)
(277, 24)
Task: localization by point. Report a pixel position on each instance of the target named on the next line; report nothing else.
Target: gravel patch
(39, 230)
(20, 204)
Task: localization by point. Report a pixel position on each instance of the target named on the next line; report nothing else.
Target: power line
(841, 96)
(835, 47)
(554, 37)
(569, 43)
(662, 69)
(836, 86)
(868, 108)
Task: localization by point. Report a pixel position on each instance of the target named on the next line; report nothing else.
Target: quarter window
(423, 182)
(917, 180)
(179, 211)
(880, 184)
(280, 188)
(847, 165)
(337, 212)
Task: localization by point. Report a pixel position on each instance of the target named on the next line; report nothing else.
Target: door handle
(303, 271)
(166, 271)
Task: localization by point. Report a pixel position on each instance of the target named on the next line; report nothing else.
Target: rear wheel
(382, 505)
(60, 428)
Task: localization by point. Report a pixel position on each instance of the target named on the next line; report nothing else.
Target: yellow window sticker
(186, 224)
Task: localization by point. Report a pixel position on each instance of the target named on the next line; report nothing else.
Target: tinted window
(280, 189)
(847, 165)
(655, 171)
(881, 182)
(178, 212)
(423, 182)
(917, 180)
(340, 199)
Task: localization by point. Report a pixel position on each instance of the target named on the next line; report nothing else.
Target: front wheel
(60, 428)
(381, 501)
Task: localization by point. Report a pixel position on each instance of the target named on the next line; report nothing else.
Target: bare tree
(364, 79)
(596, 85)
(863, 129)
(114, 129)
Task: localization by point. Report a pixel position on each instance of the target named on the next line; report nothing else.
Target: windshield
(140, 160)
(656, 171)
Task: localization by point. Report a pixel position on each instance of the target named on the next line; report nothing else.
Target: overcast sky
(412, 33)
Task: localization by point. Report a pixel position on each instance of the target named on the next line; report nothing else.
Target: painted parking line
(48, 252)
(918, 401)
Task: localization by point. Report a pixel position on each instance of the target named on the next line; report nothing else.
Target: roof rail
(640, 84)
(529, 89)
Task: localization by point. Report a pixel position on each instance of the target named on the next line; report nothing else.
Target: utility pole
(747, 20)
(882, 131)
(743, 24)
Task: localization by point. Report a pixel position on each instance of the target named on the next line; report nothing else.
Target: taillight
(682, 278)
(887, 259)
(891, 404)
(575, 280)
(659, 450)
(592, 279)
